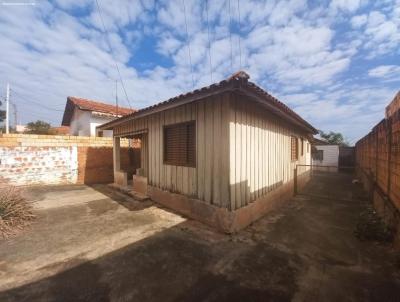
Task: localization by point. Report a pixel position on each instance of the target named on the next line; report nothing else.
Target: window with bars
(180, 144)
(294, 148)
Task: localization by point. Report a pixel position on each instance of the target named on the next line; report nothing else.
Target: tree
(333, 138)
(38, 127)
(2, 114)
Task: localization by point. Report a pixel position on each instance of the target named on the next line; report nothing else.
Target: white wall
(29, 165)
(97, 121)
(80, 123)
(330, 155)
(84, 123)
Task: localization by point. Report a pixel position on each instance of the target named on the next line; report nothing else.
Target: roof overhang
(240, 86)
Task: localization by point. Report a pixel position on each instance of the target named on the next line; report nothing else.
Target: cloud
(358, 21)
(385, 71)
(346, 5)
(335, 63)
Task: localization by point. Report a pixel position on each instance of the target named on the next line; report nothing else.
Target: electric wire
(209, 42)
(240, 27)
(31, 101)
(112, 53)
(230, 33)
(188, 42)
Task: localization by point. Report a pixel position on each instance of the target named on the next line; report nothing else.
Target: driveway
(92, 244)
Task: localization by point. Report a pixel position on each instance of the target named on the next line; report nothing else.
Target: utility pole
(8, 109)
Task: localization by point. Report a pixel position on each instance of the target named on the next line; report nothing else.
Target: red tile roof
(91, 105)
(238, 82)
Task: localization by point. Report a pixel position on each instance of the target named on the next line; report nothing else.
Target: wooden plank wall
(260, 146)
(209, 181)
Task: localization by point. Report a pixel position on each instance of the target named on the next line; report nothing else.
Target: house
(324, 153)
(83, 116)
(331, 157)
(20, 128)
(224, 154)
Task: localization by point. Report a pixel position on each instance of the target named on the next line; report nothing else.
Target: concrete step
(130, 192)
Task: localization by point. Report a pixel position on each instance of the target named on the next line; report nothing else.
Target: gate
(329, 182)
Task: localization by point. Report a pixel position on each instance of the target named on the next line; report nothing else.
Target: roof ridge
(239, 77)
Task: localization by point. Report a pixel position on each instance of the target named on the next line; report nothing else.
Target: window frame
(318, 155)
(302, 147)
(186, 163)
(296, 141)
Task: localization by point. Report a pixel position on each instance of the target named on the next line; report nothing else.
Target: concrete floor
(92, 244)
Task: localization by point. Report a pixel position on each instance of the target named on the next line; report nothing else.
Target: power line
(240, 27)
(230, 33)
(112, 53)
(36, 103)
(188, 42)
(31, 99)
(209, 42)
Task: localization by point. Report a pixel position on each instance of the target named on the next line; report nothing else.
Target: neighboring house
(83, 116)
(332, 156)
(20, 128)
(324, 153)
(224, 154)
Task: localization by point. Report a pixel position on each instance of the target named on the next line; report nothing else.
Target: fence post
(295, 180)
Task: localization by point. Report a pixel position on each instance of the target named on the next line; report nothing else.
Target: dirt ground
(92, 244)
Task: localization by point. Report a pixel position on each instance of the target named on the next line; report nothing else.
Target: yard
(93, 244)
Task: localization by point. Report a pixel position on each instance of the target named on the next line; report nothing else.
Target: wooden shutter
(294, 148)
(180, 144)
(302, 147)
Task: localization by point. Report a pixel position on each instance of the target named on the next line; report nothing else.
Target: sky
(336, 63)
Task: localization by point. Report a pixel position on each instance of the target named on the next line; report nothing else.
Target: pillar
(116, 154)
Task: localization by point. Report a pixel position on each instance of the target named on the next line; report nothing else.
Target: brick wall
(51, 159)
(378, 162)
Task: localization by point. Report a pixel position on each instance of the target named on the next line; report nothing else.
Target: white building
(325, 154)
(83, 116)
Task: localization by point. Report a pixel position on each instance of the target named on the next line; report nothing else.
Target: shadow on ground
(304, 251)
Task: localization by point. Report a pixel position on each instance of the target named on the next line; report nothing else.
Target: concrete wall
(48, 159)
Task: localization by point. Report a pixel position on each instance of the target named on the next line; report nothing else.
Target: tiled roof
(91, 105)
(237, 82)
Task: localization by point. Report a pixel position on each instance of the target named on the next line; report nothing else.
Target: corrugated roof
(237, 82)
(91, 105)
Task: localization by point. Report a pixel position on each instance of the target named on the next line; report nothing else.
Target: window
(180, 144)
(302, 147)
(294, 148)
(318, 155)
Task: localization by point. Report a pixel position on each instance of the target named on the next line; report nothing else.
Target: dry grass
(15, 211)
